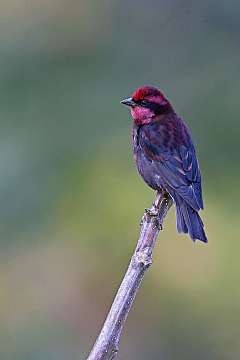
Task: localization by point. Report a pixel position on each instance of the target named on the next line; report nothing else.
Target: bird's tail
(188, 221)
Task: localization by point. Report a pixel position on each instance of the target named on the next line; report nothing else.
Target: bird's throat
(142, 115)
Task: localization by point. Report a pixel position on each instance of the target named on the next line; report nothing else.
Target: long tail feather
(188, 221)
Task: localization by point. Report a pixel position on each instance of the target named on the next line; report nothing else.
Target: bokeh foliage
(71, 198)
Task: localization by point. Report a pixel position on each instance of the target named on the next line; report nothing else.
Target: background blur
(71, 198)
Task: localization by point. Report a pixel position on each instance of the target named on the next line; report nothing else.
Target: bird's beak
(129, 102)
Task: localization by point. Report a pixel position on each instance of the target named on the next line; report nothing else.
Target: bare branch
(106, 345)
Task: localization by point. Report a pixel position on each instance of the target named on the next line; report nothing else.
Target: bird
(165, 157)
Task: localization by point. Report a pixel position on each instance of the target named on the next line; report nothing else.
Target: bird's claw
(151, 212)
(156, 219)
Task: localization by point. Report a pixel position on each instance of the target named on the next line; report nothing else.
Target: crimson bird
(165, 157)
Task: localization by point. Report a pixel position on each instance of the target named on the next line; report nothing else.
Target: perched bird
(165, 157)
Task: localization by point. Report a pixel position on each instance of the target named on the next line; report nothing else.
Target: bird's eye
(144, 102)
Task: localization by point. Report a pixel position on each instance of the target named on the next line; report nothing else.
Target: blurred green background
(71, 197)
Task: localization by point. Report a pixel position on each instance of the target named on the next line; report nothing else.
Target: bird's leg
(154, 211)
(156, 222)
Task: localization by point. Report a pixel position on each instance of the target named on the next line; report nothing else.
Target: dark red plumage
(165, 156)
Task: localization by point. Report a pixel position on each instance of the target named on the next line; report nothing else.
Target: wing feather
(176, 164)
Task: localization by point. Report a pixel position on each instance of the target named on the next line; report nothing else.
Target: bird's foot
(150, 212)
(153, 213)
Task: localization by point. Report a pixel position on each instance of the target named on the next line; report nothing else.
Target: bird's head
(147, 103)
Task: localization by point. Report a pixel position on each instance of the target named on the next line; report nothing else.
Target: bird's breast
(143, 162)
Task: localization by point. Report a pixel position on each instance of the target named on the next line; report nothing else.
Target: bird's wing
(177, 164)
